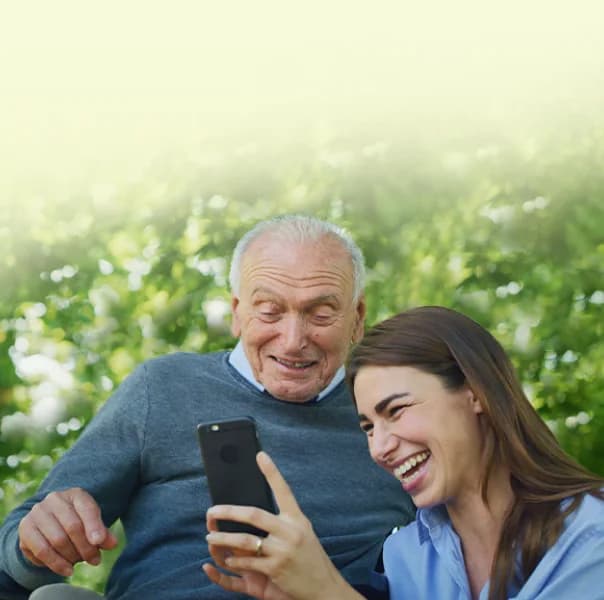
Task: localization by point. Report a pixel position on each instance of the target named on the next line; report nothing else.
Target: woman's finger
(219, 554)
(251, 545)
(250, 515)
(211, 522)
(228, 582)
(258, 517)
(285, 498)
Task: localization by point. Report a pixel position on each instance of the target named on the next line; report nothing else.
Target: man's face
(295, 314)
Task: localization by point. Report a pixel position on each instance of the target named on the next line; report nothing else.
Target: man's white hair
(300, 229)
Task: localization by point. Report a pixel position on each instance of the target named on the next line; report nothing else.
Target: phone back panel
(229, 451)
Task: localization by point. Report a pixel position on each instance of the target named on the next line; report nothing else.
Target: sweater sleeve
(104, 461)
(10, 589)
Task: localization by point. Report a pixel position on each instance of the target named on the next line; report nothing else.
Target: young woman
(503, 512)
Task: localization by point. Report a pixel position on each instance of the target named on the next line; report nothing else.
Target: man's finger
(62, 518)
(34, 544)
(30, 557)
(41, 527)
(55, 534)
(110, 542)
(63, 508)
(90, 515)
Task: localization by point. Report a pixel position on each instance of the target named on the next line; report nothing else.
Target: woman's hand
(249, 583)
(288, 564)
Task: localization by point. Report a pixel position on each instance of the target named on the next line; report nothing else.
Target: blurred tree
(94, 283)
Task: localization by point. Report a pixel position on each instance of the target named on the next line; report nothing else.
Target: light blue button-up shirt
(424, 560)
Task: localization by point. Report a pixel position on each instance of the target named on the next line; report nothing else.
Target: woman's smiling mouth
(408, 471)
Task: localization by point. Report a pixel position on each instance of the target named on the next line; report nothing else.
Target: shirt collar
(241, 364)
(430, 521)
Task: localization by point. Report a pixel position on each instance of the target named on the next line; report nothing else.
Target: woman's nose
(382, 445)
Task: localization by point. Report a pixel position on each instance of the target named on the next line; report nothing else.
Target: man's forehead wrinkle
(261, 294)
(326, 252)
(318, 277)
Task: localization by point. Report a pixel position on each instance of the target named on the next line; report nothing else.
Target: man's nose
(294, 332)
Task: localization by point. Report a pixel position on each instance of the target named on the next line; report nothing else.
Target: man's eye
(367, 428)
(267, 311)
(269, 315)
(323, 318)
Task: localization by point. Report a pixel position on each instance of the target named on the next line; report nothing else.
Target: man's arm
(86, 491)
(11, 590)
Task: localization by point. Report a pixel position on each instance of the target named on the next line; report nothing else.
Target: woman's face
(427, 436)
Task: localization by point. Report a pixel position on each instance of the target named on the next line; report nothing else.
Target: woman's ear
(474, 402)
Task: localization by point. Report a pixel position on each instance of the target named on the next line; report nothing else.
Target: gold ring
(259, 542)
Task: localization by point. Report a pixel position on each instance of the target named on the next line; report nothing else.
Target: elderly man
(297, 300)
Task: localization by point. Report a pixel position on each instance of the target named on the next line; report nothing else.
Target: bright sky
(112, 84)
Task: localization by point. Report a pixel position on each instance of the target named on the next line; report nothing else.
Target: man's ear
(359, 323)
(235, 323)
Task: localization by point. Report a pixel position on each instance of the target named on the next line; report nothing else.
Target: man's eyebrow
(264, 290)
(330, 299)
(382, 405)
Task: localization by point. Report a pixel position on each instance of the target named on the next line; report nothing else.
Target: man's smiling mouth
(294, 364)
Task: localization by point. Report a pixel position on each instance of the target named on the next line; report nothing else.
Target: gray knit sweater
(140, 460)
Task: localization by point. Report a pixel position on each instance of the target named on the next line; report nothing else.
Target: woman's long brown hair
(459, 351)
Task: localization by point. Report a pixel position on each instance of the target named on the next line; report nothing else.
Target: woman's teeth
(409, 464)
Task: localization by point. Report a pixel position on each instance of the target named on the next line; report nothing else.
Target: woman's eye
(393, 411)
(367, 428)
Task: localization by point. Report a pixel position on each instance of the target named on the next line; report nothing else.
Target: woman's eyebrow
(382, 405)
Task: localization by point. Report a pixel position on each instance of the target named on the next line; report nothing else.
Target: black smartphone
(228, 450)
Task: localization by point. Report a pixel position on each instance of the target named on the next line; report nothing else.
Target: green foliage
(95, 282)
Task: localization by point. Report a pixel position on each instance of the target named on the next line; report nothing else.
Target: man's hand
(64, 529)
